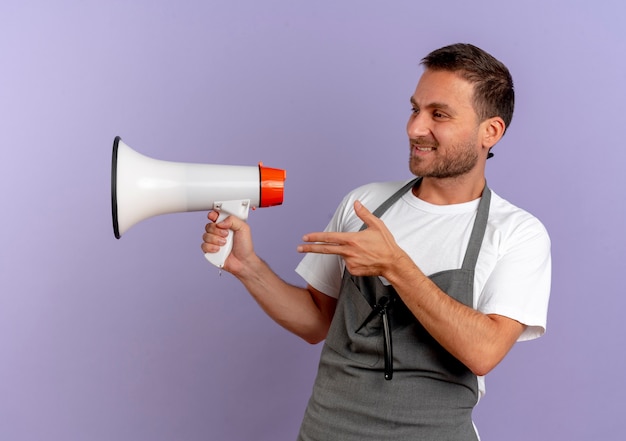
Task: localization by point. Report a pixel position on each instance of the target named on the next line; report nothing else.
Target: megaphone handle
(238, 208)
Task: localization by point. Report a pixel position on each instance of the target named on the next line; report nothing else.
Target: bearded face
(443, 128)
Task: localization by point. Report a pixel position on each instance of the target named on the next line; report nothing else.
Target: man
(419, 288)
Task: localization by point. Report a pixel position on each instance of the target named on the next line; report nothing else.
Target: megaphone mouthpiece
(272, 185)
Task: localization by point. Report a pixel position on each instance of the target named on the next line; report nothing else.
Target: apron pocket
(364, 346)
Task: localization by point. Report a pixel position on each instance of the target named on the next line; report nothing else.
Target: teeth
(425, 149)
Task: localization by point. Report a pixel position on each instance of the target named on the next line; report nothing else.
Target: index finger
(326, 238)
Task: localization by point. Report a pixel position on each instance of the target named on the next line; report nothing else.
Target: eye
(415, 110)
(439, 115)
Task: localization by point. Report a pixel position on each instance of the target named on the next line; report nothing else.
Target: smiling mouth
(424, 144)
(422, 148)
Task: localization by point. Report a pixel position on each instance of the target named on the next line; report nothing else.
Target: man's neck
(450, 190)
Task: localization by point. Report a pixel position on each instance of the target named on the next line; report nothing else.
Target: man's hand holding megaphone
(217, 235)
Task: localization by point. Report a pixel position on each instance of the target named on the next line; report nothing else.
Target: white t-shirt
(513, 271)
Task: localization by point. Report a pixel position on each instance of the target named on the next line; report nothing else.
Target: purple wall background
(141, 339)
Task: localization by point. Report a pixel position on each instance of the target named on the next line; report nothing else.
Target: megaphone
(143, 187)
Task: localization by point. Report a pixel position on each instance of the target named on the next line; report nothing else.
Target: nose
(418, 125)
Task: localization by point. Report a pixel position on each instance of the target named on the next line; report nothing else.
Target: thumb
(364, 214)
(234, 223)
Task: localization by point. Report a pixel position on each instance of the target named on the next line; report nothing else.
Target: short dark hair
(493, 84)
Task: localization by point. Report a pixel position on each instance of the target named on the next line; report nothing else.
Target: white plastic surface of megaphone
(143, 187)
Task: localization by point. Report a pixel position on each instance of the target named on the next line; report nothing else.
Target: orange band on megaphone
(272, 185)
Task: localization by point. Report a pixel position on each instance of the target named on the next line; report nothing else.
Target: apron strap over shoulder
(389, 202)
(478, 232)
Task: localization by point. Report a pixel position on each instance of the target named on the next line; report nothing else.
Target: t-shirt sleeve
(313, 266)
(325, 271)
(519, 286)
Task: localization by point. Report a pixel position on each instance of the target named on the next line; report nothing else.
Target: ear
(492, 131)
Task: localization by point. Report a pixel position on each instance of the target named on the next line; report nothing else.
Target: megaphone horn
(143, 187)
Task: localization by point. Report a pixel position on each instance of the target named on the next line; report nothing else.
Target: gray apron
(381, 375)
